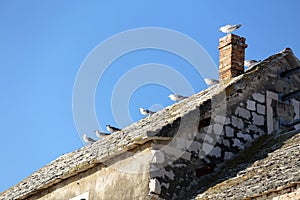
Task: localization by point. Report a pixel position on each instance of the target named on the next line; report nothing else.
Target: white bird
(249, 63)
(112, 129)
(176, 97)
(144, 111)
(101, 134)
(210, 81)
(87, 139)
(229, 28)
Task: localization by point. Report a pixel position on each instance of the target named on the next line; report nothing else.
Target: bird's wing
(182, 97)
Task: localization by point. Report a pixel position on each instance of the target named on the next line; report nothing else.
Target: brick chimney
(232, 56)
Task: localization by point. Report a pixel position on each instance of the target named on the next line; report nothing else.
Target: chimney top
(232, 55)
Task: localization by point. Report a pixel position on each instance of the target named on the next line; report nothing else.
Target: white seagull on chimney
(229, 28)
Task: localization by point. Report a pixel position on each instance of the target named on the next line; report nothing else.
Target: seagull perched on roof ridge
(210, 81)
(112, 129)
(87, 139)
(101, 134)
(176, 97)
(249, 63)
(144, 111)
(229, 28)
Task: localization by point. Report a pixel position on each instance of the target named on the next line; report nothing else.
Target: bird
(229, 28)
(249, 63)
(144, 111)
(210, 81)
(112, 129)
(176, 97)
(87, 139)
(100, 134)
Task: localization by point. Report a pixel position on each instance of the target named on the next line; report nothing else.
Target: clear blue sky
(44, 43)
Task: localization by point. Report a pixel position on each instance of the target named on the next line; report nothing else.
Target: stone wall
(218, 129)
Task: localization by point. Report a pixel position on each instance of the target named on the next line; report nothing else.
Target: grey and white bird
(87, 139)
(146, 112)
(176, 97)
(210, 81)
(249, 63)
(100, 134)
(112, 129)
(229, 28)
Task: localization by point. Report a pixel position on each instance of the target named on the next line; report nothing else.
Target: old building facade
(180, 151)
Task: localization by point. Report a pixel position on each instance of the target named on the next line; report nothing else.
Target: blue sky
(44, 43)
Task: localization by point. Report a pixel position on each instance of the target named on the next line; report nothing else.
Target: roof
(270, 165)
(145, 130)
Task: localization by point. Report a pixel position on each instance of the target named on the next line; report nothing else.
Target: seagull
(87, 139)
(249, 63)
(210, 81)
(176, 97)
(144, 111)
(101, 134)
(112, 129)
(229, 28)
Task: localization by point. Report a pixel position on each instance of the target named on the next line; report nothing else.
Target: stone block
(195, 146)
(216, 152)
(258, 119)
(218, 129)
(251, 105)
(154, 186)
(227, 121)
(237, 122)
(207, 148)
(242, 112)
(220, 119)
(226, 142)
(259, 97)
(229, 132)
(261, 109)
(158, 157)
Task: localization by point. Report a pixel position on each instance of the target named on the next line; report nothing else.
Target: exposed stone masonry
(228, 132)
(189, 140)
